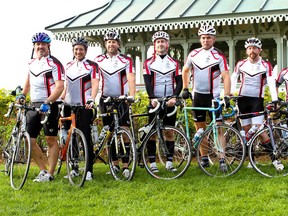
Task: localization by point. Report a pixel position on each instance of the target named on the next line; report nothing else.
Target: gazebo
(137, 20)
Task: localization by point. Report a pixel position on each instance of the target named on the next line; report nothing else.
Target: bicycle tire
(124, 158)
(20, 161)
(181, 157)
(77, 158)
(234, 155)
(260, 155)
(7, 155)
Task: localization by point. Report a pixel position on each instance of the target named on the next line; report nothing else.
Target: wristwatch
(48, 102)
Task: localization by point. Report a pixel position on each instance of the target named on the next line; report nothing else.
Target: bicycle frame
(212, 124)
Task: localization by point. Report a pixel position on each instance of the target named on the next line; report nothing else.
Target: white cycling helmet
(160, 34)
(206, 30)
(253, 42)
(112, 35)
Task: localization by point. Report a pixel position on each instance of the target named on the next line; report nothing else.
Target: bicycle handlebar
(159, 104)
(24, 106)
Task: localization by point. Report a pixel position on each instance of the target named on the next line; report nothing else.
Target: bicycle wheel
(262, 155)
(122, 155)
(229, 147)
(77, 158)
(20, 161)
(180, 150)
(7, 155)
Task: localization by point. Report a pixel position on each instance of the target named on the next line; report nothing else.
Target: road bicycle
(117, 142)
(181, 150)
(221, 143)
(75, 150)
(265, 156)
(16, 153)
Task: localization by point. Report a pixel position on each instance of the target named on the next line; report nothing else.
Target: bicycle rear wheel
(229, 147)
(122, 155)
(262, 155)
(180, 149)
(77, 158)
(20, 161)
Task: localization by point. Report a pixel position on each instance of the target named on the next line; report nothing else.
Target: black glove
(90, 102)
(185, 93)
(227, 102)
(21, 98)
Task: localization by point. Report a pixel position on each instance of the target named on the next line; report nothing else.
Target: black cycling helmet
(41, 37)
(253, 42)
(112, 35)
(80, 41)
(206, 30)
(160, 34)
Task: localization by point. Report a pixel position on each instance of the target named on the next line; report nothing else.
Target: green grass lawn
(245, 193)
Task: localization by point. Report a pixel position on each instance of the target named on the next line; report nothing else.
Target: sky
(20, 20)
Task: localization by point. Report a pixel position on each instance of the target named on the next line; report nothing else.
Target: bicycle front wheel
(77, 158)
(7, 155)
(20, 161)
(221, 151)
(265, 160)
(172, 158)
(122, 155)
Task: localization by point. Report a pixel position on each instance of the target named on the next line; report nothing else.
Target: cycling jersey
(254, 78)
(42, 74)
(113, 72)
(206, 66)
(78, 81)
(283, 76)
(162, 76)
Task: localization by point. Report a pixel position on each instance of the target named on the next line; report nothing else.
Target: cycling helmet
(112, 35)
(41, 37)
(160, 34)
(253, 42)
(80, 41)
(206, 30)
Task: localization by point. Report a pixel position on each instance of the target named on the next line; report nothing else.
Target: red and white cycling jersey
(283, 77)
(42, 74)
(163, 70)
(206, 66)
(78, 80)
(113, 73)
(254, 77)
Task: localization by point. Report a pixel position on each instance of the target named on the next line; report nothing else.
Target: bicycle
(181, 151)
(117, 141)
(17, 151)
(74, 151)
(262, 156)
(215, 141)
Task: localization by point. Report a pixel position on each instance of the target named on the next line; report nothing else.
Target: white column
(231, 43)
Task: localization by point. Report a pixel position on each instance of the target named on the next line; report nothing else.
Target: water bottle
(94, 133)
(143, 131)
(243, 134)
(198, 135)
(284, 133)
(103, 132)
(63, 136)
(251, 132)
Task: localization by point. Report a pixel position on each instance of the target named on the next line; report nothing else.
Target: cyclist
(162, 77)
(255, 74)
(283, 77)
(45, 82)
(208, 65)
(116, 72)
(81, 85)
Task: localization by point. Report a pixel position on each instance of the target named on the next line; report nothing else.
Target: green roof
(151, 15)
